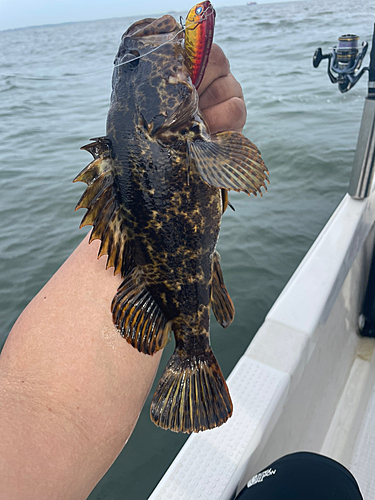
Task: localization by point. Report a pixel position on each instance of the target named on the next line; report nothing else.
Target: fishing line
(78, 75)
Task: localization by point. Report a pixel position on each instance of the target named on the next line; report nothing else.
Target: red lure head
(199, 33)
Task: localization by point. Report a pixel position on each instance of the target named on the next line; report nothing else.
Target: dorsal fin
(135, 313)
(98, 147)
(104, 212)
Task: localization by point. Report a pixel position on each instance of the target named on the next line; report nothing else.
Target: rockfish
(157, 189)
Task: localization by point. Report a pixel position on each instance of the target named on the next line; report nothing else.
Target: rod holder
(364, 158)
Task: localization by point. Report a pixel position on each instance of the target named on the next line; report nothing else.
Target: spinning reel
(344, 61)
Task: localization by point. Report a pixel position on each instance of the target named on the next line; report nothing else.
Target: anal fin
(221, 303)
(137, 316)
(229, 161)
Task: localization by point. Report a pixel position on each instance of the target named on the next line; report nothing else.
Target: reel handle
(319, 56)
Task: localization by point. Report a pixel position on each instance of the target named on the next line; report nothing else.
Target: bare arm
(71, 389)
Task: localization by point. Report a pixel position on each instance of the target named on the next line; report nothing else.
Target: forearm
(72, 388)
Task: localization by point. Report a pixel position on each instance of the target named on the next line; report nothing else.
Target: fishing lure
(199, 32)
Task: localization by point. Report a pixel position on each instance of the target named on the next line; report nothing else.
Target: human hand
(220, 95)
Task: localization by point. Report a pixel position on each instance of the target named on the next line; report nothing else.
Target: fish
(156, 191)
(199, 33)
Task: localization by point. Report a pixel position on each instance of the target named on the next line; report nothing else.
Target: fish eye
(199, 10)
(133, 63)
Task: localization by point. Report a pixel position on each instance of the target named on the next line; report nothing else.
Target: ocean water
(305, 128)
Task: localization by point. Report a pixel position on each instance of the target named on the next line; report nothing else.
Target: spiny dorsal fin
(230, 161)
(96, 168)
(98, 147)
(100, 150)
(221, 303)
(192, 395)
(104, 212)
(95, 189)
(137, 316)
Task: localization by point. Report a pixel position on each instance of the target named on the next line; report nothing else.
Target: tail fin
(192, 395)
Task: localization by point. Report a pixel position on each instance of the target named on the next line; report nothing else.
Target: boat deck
(351, 436)
(362, 463)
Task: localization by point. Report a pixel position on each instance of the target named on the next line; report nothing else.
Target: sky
(22, 13)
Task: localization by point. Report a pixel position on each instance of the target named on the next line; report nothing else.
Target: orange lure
(199, 32)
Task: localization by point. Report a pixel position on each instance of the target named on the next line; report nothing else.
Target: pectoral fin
(137, 316)
(222, 305)
(229, 161)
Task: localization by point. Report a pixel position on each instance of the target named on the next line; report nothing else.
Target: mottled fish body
(157, 188)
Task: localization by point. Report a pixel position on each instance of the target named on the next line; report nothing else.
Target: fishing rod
(344, 64)
(344, 68)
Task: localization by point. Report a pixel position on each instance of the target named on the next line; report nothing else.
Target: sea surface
(305, 128)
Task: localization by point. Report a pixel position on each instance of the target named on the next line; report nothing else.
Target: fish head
(151, 76)
(148, 42)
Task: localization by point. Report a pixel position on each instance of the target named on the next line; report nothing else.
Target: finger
(228, 115)
(217, 66)
(219, 91)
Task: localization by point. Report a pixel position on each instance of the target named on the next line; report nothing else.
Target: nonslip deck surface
(363, 460)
